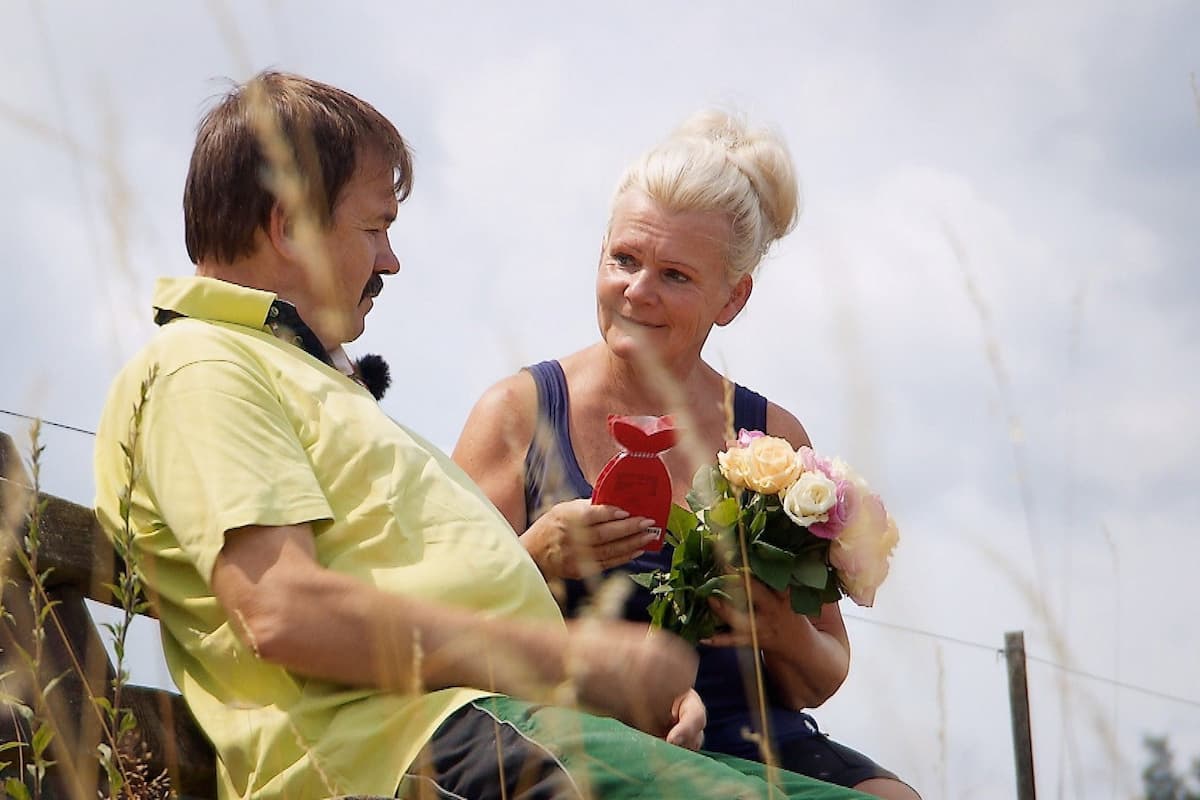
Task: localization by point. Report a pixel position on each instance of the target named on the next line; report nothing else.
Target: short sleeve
(220, 453)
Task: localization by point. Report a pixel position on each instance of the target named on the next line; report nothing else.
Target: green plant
(33, 756)
(122, 754)
(727, 532)
(121, 757)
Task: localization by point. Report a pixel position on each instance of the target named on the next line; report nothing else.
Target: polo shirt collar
(215, 300)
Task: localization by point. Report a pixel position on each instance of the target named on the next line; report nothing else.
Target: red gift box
(636, 478)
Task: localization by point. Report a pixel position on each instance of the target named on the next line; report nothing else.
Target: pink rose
(861, 550)
(815, 463)
(745, 437)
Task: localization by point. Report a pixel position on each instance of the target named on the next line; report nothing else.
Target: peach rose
(735, 465)
(773, 465)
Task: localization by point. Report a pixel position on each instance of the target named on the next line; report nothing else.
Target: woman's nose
(640, 288)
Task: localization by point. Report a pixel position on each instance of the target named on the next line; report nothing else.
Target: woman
(690, 222)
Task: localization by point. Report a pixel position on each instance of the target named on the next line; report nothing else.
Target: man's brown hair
(279, 138)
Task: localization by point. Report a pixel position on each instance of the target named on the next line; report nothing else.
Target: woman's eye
(675, 276)
(623, 260)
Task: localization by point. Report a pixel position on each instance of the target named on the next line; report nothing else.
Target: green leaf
(723, 514)
(715, 586)
(10, 746)
(806, 600)
(681, 522)
(57, 679)
(38, 769)
(41, 739)
(16, 790)
(708, 486)
(759, 523)
(771, 565)
(772, 552)
(811, 572)
(25, 711)
(647, 580)
(833, 590)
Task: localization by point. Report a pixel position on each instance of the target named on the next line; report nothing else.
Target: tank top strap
(749, 410)
(552, 474)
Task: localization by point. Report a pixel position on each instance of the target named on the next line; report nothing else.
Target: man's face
(358, 255)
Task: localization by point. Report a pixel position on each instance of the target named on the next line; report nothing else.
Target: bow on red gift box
(636, 478)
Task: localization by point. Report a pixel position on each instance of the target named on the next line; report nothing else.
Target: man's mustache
(374, 286)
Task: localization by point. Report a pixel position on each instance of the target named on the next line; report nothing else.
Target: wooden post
(1018, 700)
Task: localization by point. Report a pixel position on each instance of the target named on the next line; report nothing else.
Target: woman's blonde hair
(716, 162)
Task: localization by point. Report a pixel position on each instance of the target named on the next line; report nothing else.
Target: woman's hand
(807, 658)
(773, 617)
(576, 539)
(690, 719)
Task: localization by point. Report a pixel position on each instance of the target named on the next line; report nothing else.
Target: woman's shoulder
(512, 402)
(783, 423)
(513, 397)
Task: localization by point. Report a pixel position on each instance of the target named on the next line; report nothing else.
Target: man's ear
(737, 300)
(281, 231)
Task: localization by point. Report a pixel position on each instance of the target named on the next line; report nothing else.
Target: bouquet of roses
(797, 521)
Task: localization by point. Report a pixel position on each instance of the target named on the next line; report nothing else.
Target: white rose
(810, 498)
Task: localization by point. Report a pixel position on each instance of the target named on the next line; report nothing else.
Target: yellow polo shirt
(244, 428)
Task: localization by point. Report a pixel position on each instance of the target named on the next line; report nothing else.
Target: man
(342, 609)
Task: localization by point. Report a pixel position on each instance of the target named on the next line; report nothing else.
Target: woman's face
(663, 281)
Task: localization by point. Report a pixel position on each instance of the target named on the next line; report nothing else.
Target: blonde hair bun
(716, 162)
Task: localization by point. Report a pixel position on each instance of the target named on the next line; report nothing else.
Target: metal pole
(1018, 700)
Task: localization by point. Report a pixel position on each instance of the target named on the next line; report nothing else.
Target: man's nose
(386, 261)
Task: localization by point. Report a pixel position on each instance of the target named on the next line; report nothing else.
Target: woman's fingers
(728, 639)
(616, 543)
(596, 538)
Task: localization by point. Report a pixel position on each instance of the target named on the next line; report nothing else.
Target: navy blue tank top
(725, 680)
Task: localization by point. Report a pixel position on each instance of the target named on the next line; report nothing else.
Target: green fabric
(611, 761)
(242, 428)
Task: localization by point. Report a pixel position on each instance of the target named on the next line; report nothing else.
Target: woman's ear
(737, 300)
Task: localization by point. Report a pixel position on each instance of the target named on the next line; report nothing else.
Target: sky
(988, 307)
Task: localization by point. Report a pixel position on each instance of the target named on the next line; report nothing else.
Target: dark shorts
(820, 757)
(802, 749)
(498, 747)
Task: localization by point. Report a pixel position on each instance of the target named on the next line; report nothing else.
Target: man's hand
(576, 539)
(635, 675)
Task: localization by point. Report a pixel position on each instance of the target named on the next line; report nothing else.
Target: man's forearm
(317, 622)
(336, 628)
